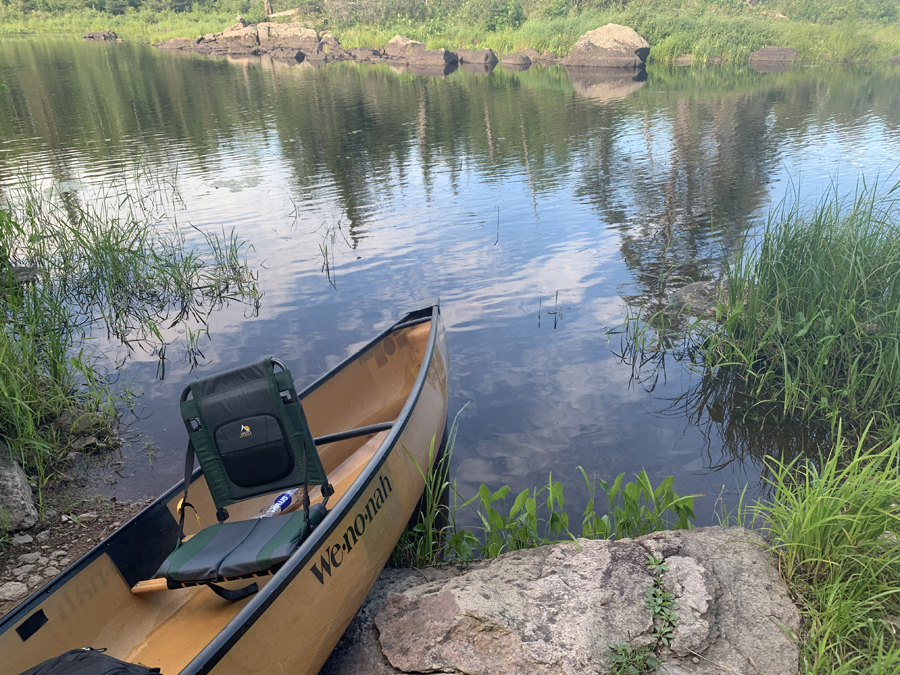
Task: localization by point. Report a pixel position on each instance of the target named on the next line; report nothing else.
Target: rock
(556, 609)
(78, 423)
(604, 85)
(64, 562)
(515, 61)
(238, 36)
(402, 46)
(431, 57)
(86, 518)
(12, 591)
(35, 580)
(774, 59)
(365, 53)
(17, 510)
(29, 558)
(57, 554)
(73, 457)
(23, 571)
(610, 46)
(700, 298)
(50, 572)
(287, 36)
(476, 56)
(539, 57)
(101, 36)
(50, 516)
(22, 539)
(328, 49)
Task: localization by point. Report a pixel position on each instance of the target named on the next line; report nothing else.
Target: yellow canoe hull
(292, 624)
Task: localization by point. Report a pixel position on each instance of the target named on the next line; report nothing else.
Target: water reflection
(362, 189)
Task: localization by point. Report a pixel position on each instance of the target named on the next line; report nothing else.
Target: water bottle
(281, 502)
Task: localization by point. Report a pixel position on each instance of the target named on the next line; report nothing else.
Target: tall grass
(811, 327)
(104, 272)
(835, 528)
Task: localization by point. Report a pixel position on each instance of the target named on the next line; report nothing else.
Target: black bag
(88, 661)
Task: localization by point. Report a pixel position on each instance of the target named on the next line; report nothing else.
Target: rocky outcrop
(287, 36)
(399, 46)
(557, 609)
(605, 85)
(365, 54)
(477, 56)
(17, 510)
(610, 46)
(101, 36)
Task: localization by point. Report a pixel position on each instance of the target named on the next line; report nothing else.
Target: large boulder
(17, 510)
(557, 609)
(365, 53)
(540, 57)
(431, 57)
(399, 46)
(101, 36)
(476, 56)
(610, 46)
(287, 36)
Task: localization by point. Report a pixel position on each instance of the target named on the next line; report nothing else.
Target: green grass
(811, 327)
(835, 528)
(103, 268)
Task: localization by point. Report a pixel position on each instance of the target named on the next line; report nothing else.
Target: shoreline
(706, 37)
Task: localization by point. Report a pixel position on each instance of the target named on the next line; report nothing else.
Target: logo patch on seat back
(245, 431)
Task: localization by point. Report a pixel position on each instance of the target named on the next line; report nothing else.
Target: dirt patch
(75, 517)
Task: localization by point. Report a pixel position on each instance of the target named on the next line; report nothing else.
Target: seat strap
(184, 503)
(236, 594)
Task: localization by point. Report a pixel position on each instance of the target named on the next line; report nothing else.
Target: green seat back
(249, 432)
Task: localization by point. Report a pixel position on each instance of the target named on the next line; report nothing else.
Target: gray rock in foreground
(555, 609)
(610, 46)
(17, 510)
(477, 56)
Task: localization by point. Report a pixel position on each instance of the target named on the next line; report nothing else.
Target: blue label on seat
(283, 501)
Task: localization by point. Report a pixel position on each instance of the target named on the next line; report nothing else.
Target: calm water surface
(534, 205)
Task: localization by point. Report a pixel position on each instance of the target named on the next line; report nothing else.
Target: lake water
(534, 205)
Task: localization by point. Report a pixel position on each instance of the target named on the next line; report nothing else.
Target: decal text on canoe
(333, 556)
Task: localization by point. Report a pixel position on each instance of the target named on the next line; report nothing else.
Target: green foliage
(635, 508)
(493, 15)
(811, 325)
(835, 528)
(625, 659)
(105, 266)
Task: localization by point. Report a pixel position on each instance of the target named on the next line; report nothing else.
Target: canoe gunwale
(212, 653)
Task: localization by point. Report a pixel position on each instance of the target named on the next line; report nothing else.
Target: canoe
(300, 612)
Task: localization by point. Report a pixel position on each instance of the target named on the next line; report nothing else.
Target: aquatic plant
(811, 324)
(72, 273)
(834, 525)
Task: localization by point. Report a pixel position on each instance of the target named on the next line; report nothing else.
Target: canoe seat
(247, 428)
(239, 549)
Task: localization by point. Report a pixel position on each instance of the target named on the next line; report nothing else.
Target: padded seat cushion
(239, 548)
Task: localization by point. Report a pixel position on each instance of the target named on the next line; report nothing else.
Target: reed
(811, 326)
(835, 528)
(100, 270)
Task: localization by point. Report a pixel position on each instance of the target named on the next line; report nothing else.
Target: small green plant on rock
(626, 659)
